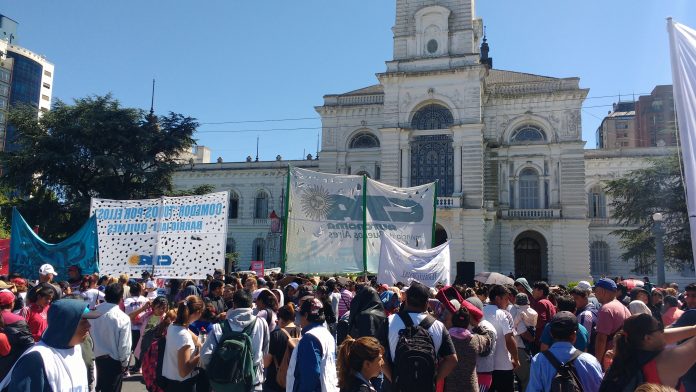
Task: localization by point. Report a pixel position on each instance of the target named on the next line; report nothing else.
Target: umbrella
(493, 278)
(631, 283)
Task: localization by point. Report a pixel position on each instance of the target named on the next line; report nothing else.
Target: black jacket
(359, 385)
(20, 340)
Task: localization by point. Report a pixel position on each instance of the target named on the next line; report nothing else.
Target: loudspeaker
(465, 273)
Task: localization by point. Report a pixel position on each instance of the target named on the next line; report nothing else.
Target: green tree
(92, 148)
(639, 194)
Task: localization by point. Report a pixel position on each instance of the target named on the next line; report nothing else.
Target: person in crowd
(638, 306)
(123, 280)
(544, 308)
(690, 296)
(586, 312)
(291, 292)
(40, 298)
(214, 297)
(640, 350)
(670, 310)
(522, 286)
(21, 288)
(205, 323)
(658, 297)
(524, 320)
(359, 361)
(55, 363)
(152, 317)
(16, 330)
(239, 318)
(267, 308)
(582, 336)
(367, 316)
(505, 354)
(149, 285)
(188, 288)
(183, 349)
(75, 278)
(312, 366)
(279, 343)
(87, 346)
(250, 284)
(482, 294)
(610, 317)
(564, 328)
(46, 275)
(112, 340)
(415, 307)
(90, 292)
(346, 298)
(324, 295)
(135, 305)
(468, 344)
(5, 347)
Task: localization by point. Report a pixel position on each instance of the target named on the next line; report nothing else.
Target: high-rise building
(26, 78)
(618, 129)
(655, 118)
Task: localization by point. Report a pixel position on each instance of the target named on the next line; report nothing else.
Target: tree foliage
(92, 148)
(638, 195)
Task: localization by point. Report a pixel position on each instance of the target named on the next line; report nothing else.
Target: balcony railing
(599, 221)
(261, 221)
(449, 202)
(532, 214)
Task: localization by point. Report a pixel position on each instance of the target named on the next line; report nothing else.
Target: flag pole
(364, 225)
(284, 252)
(437, 189)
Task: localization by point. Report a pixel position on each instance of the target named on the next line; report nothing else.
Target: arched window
(529, 189)
(599, 258)
(432, 117)
(261, 205)
(596, 203)
(364, 140)
(258, 249)
(234, 205)
(528, 134)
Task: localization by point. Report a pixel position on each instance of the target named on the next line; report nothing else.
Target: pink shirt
(671, 315)
(611, 318)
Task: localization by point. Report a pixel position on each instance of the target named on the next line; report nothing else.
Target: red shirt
(4, 345)
(545, 311)
(37, 320)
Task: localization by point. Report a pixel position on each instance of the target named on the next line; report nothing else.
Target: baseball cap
(563, 323)
(476, 302)
(521, 299)
(584, 285)
(606, 284)
(294, 285)
(6, 297)
(47, 269)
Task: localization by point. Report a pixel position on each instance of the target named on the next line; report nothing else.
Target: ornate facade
(505, 147)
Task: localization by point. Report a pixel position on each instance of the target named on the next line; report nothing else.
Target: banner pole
(437, 188)
(364, 200)
(284, 254)
(155, 257)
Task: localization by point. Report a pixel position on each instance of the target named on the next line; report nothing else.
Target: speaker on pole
(465, 273)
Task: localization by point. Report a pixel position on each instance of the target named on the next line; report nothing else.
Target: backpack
(415, 360)
(152, 361)
(232, 367)
(282, 367)
(566, 378)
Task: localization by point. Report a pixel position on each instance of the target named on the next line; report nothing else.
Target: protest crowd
(240, 332)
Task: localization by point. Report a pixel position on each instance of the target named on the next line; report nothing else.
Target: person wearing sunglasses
(641, 355)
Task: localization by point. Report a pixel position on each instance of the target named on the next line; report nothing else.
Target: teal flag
(28, 252)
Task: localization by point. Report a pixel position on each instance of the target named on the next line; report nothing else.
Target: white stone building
(505, 146)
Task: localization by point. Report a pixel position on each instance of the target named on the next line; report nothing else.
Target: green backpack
(231, 367)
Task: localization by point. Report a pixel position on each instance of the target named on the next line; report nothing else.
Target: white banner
(180, 237)
(683, 55)
(401, 263)
(325, 221)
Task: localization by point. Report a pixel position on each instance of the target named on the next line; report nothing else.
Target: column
(457, 168)
(405, 165)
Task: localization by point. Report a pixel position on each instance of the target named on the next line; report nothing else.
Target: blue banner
(28, 252)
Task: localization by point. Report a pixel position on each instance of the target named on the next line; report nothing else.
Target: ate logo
(162, 260)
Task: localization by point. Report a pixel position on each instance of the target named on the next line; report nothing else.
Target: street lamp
(658, 232)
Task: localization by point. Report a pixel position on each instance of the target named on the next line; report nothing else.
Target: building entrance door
(529, 255)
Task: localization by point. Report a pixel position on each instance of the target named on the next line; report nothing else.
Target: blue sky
(247, 63)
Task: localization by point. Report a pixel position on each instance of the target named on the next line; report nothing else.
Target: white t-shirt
(151, 286)
(437, 332)
(132, 304)
(502, 322)
(177, 338)
(91, 296)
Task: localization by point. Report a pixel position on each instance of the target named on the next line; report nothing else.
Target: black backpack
(415, 360)
(566, 379)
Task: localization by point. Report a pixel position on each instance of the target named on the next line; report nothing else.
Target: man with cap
(586, 311)
(610, 317)
(46, 275)
(17, 331)
(55, 363)
(564, 327)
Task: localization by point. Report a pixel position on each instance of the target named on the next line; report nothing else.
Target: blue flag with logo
(28, 252)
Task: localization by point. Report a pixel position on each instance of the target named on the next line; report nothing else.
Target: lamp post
(658, 232)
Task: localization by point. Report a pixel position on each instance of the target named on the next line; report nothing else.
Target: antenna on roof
(317, 156)
(257, 148)
(152, 98)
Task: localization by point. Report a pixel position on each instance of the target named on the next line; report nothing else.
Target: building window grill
(432, 117)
